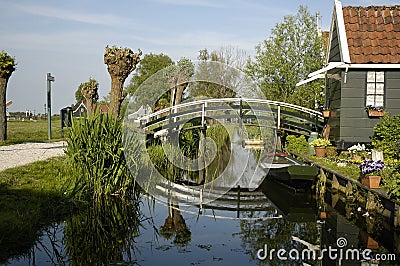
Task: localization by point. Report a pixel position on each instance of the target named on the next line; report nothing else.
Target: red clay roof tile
(373, 33)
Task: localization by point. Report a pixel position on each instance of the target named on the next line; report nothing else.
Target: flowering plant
(376, 108)
(359, 148)
(371, 167)
(320, 143)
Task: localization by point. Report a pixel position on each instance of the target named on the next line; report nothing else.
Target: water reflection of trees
(276, 234)
(175, 226)
(104, 233)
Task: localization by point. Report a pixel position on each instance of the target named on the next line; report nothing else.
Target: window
(375, 88)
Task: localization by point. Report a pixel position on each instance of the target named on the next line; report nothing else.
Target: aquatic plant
(95, 156)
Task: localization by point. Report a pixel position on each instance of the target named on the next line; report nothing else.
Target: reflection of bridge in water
(252, 112)
(270, 116)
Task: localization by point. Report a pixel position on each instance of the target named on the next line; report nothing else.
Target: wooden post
(335, 183)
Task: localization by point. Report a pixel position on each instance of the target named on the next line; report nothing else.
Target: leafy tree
(151, 85)
(294, 49)
(7, 67)
(120, 63)
(78, 94)
(149, 65)
(218, 73)
(156, 90)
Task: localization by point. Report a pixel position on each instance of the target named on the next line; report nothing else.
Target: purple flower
(376, 108)
(371, 166)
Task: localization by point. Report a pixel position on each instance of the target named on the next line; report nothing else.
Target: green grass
(31, 198)
(31, 131)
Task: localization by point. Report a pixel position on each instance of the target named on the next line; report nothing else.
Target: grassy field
(31, 131)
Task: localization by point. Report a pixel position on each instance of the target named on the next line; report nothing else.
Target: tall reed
(96, 159)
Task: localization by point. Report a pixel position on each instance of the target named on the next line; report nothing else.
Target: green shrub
(391, 181)
(297, 145)
(96, 159)
(331, 151)
(387, 136)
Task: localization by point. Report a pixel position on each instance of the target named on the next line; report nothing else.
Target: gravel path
(20, 154)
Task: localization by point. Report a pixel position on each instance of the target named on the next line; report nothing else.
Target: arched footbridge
(257, 112)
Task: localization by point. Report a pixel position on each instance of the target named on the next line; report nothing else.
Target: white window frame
(375, 89)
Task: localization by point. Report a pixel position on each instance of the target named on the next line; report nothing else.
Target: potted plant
(326, 113)
(371, 173)
(375, 111)
(358, 152)
(319, 145)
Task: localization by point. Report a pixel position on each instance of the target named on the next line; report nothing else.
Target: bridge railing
(285, 114)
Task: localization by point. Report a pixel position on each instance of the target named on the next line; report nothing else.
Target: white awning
(330, 66)
(319, 76)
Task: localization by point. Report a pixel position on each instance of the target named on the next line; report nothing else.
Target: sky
(68, 38)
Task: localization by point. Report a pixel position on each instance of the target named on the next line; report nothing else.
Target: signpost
(49, 78)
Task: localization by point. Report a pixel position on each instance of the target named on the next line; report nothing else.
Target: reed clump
(96, 160)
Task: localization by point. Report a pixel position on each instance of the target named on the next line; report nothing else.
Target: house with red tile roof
(362, 70)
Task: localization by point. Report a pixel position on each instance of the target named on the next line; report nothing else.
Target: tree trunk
(3, 117)
(116, 97)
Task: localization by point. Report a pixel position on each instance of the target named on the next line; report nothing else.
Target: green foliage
(387, 136)
(96, 158)
(293, 50)
(161, 162)
(78, 94)
(149, 65)
(92, 83)
(331, 151)
(320, 142)
(298, 145)
(7, 63)
(391, 180)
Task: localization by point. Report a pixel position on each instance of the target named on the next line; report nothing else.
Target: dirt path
(20, 154)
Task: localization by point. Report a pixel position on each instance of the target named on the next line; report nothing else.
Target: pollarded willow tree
(120, 63)
(294, 49)
(90, 93)
(7, 67)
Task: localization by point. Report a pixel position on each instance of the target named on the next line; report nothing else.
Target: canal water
(241, 228)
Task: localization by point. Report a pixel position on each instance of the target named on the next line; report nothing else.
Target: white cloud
(73, 15)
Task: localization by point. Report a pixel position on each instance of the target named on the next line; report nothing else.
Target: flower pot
(372, 181)
(326, 113)
(320, 151)
(368, 242)
(376, 113)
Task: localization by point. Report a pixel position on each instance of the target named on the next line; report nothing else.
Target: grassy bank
(31, 198)
(31, 131)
